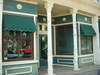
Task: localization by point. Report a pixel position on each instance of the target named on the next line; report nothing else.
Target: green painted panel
(42, 19)
(81, 18)
(63, 19)
(11, 5)
(86, 30)
(34, 68)
(10, 71)
(18, 23)
(86, 60)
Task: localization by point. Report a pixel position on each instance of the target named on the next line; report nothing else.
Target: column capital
(1, 1)
(74, 10)
(49, 5)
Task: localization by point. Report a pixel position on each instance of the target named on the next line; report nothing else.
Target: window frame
(61, 40)
(86, 36)
(17, 59)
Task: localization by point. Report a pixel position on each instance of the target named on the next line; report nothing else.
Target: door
(43, 50)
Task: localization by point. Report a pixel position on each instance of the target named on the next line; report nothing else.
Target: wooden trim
(19, 13)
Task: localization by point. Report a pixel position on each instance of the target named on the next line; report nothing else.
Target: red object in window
(25, 50)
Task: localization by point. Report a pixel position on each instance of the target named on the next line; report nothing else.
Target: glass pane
(89, 47)
(83, 46)
(16, 47)
(86, 45)
(64, 40)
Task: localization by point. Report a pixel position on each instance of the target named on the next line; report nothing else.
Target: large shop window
(86, 45)
(64, 40)
(17, 45)
(18, 37)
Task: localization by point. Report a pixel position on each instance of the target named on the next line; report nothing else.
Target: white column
(96, 45)
(49, 6)
(1, 9)
(35, 39)
(73, 12)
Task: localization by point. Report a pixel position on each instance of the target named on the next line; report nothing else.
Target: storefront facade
(73, 35)
(19, 34)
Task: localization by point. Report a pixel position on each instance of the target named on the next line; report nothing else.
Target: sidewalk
(64, 70)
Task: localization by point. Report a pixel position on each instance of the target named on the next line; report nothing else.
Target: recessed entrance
(43, 50)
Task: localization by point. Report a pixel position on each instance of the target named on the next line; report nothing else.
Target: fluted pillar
(1, 9)
(73, 12)
(49, 6)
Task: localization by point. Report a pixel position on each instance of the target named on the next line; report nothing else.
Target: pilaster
(74, 12)
(1, 10)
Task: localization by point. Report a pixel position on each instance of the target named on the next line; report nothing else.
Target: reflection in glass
(86, 45)
(17, 45)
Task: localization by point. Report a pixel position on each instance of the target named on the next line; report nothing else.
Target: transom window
(86, 44)
(17, 45)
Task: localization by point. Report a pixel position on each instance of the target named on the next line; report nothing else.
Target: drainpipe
(49, 6)
(1, 10)
(73, 12)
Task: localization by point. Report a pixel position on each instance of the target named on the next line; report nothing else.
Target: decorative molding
(27, 1)
(49, 6)
(19, 6)
(63, 24)
(58, 61)
(19, 62)
(19, 68)
(19, 13)
(86, 55)
(85, 14)
(73, 11)
(86, 19)
(64, 19)
(63, 56)
(64, 65)
(62, 15)
(84, 23)
(86, 59)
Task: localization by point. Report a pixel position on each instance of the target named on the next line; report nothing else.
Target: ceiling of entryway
(56, 10)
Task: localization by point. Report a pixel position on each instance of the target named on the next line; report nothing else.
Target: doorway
(43, 49)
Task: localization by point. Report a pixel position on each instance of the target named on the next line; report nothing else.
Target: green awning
(18, 23)
(87, 30)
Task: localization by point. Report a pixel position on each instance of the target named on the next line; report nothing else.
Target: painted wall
(63, 60)
(26, 69)
(63, 19)
(42, 19)
(86, 60)
(84, 19)
(12, 5)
